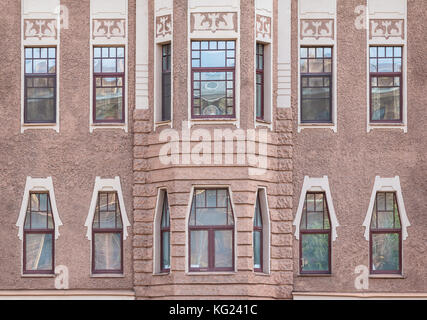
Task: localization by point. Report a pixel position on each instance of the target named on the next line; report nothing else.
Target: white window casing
(158, 213)
(141, 50)
(316, 185)
(284, 43)
(266, 228)
(387, 185)
(106, 185)
(38, 185)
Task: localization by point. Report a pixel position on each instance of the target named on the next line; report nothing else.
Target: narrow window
(315, 237)
(386, 235)
(40, 85)
(107, 235)
(316, 85)
(39, 236)
(211, 231)
(165, 236)
(260, 81)
(166, 82)
(213, 79)
(257, 236)
(109, 84)
(386, 84)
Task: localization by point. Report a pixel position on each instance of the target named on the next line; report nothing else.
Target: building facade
(198, 149)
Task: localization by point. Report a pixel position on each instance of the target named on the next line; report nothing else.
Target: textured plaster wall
(73, 158)
(150, 174)
(352, 158)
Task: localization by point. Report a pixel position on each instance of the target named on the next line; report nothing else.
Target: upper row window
(213, 79)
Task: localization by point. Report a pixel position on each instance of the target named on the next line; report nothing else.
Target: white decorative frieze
(40, 28)
(164, 26)
(263, 27)
(387, 28)
(317, 28)
(213, 21)
(109, 28)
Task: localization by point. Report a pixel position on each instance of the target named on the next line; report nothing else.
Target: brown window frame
(164, 230)
(166, 71)
(33, 75)
(260, 61)
(377, 230)
(308, 75)
(316, 231)
(386, 74)
(100, 230)
(101, 75)
(211, 235)
(49, 231)
(225, 70)
(260, 230)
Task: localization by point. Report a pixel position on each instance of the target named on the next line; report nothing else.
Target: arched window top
(382, 187)
(258, 215)
(211, 207)
(315, 214)
(318, 186)
(107, 215)
(39, 212)
(165, 212)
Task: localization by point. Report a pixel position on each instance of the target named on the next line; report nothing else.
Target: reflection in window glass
(165, 235)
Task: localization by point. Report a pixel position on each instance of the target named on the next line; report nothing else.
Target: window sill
(262, 274)
(231, 273)
(299, 275)
(39, 126)
(38, 275)
(163, 124)
(162, 274)
(214, 121)
(330, 126)
(107, 275)
(122, 126)
(387, 276)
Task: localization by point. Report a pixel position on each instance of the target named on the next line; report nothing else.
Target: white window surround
(266, 227)
(220, 6)
(284, 45)
(268, 87)
(316, 185)
(38, 185)
(387, 185)
(187, 219)
(157, 234)
(109, 9)
(34, 9)
(141, 55)
(386, 10)
(320, 9)
(106, 185)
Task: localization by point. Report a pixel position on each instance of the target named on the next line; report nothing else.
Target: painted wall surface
(73, 157)
(351, 158)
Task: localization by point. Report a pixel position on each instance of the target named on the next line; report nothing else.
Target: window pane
(316, 110)
(52, 53)
(211, 198)
(40, 66)
(224, 249)
(316, 66)
(385, 220)
(166, 248)
(40, 110)
(199, 249)
(109, 104)
(222, 198)
(373, 52)
(108, 253)
(257, 249)
(38, 251)
(386, 104)
(211, 217)
(38, 220)
(107, 219)
(385, 252)
(108, 65)
(166, 97)
(315, 252)
(212, 59)
(385, 65)
(314, 220)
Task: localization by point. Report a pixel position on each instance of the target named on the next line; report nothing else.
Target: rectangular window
(213, 79)
(40, 85)
(166, 82)
(316, 84)
(109, 84)
(260, 81)
(385, 84)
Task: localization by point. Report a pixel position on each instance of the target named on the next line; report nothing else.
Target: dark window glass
(386, 84)
(258, 236)
(260, 81)
(315, 230)
(386, 235)
(211, 231)
(316, 85)
(109, 85)
(166, 82)
(40, 85)
(39, 235)
(107, 235)
(213, 79)
(165, 236)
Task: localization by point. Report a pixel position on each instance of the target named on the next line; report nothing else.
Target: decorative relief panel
(317, 28)
(109, 28)
(387, 28)
(164, 26)
(40, 28)
(214, 21)
(263, 27)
